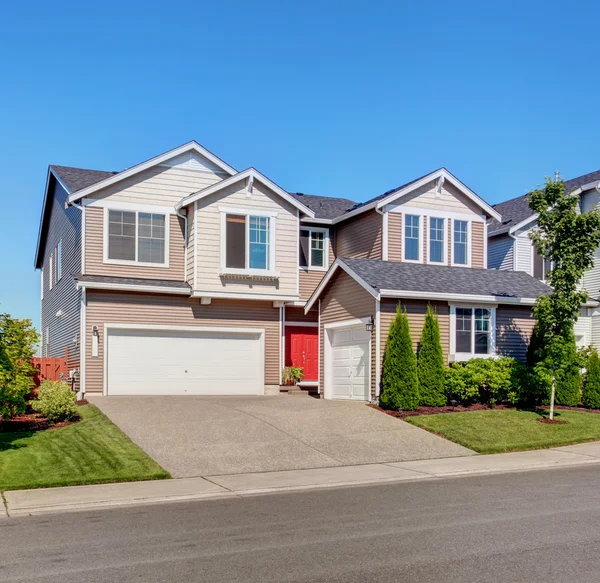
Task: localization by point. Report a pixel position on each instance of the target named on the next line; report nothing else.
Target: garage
(184, 362)
(350, 363)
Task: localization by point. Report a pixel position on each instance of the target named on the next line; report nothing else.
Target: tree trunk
(552, 392)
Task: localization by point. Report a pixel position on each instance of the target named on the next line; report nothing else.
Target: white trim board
(189, 146)
(132, 287)
(118, 205)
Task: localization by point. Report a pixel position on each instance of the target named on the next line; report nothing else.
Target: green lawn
(89, 452)
(496, 431)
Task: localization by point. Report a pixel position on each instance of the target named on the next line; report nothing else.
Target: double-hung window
(313, 248)
(248, 243)
(461, 243)
(436, 240)
(473, 332)
(412, 238)
(137, 237)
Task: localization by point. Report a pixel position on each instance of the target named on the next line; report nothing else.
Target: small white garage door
(350, 363)
(161, 362)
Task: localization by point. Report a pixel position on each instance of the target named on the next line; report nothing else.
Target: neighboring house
(183, 276)
(511, 248)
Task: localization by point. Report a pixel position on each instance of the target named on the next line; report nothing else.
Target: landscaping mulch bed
(30, 422)
(437, 410)
(551, 421)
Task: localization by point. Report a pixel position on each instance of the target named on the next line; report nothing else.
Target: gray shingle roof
(77, 178)
(517, 209)
(176, 285)
(324, 207)
(416, 277)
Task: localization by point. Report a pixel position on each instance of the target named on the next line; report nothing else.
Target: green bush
(430, 363)
(591, 383)
(400, 383)
(568, 375)
(56, 402)
(485, 380)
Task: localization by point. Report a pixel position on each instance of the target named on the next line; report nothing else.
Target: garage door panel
(156, 362)
(350, 364)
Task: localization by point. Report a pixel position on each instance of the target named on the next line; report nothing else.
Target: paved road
(527, 527)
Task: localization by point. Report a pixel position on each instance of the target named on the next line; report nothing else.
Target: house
(511, 248)
(181, 275)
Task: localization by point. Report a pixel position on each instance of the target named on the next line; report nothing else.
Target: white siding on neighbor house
(501, 252)
(161, 185)
(590, 199)
(583, 331)
(591, 278)
(595, 328)
(209, 234)
(524, 253)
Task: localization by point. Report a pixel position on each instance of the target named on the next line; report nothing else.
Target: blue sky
(339, 98)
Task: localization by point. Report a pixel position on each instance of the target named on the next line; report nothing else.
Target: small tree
(430, 363)
(568, 375)
(17, 341)
(591, 384)
(400, 381)
(568, 239)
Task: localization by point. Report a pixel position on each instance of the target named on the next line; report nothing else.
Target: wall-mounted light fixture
(370, 324)
(60, 314)
(95, 339)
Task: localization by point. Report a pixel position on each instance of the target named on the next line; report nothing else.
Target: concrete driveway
(204, 436)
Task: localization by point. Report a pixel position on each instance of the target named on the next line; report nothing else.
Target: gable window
(436, 240)
(247, 244)
(137, 237)
(460, 254)
(313, 248)
(412, 238)
(473, 331)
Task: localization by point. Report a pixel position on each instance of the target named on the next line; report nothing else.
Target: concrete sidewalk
(32, 502)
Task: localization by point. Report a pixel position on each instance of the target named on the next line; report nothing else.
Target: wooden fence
(51, 369)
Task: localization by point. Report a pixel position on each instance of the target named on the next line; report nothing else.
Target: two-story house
(511, 248)
(183, 276)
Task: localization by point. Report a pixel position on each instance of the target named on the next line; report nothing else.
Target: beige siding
(394, 236)
(159, 185)
(477, 246)
(513, 330)
(124, 308)
(209, 242)
(190, 248)
(344, 299)
(310, 279)
(361, 237)
(451, 199)
(94, 251)
(298, 315)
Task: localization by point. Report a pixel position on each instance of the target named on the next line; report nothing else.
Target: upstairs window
(436, 240)
(137, 237)
(473, 332)
(313, 248)
(412, 238)
(248, 242)
(461, 243)
(541, 266)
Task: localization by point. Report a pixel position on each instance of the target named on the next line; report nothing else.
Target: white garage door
(350, 364)
(160, 362)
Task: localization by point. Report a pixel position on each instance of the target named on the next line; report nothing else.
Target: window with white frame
(541, 265)
(436, 240)
(137, 237)
(412, 247)
(461, 242)
(248, 242)
(313, 248)
(473, 331)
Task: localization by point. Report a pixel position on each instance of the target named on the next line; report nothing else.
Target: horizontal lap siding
(94, 251)
(477, 245)
(190, 248)
(394, 236)
(310, 279)
(298, 315)
(500, 252)
(513, 331)
(148, 309)
(361, 237)
(344, 299)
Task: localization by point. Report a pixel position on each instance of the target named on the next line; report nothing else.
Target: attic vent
(507, 221)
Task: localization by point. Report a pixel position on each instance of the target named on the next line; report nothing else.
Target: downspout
(384, 234)
(82, 305)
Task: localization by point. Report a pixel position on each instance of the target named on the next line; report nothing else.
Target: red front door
(302, 350)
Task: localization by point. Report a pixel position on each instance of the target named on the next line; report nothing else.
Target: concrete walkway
(32, 502)
(205, 436)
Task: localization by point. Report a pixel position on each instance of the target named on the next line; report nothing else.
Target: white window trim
(312, 230)
(464, 356)
(135, 262)
(247, 271)
(51, 271)
(59, 261)
(42, 283)
(469, 243)
(420, 244)
(444, 260)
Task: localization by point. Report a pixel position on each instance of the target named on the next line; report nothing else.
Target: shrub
(591, 383)
(456, 386)
(56, 402)
(399, 380)
(568, 375)
(430, 363)
(17, 341)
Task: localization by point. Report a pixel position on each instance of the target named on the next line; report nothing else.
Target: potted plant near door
(291, 375)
